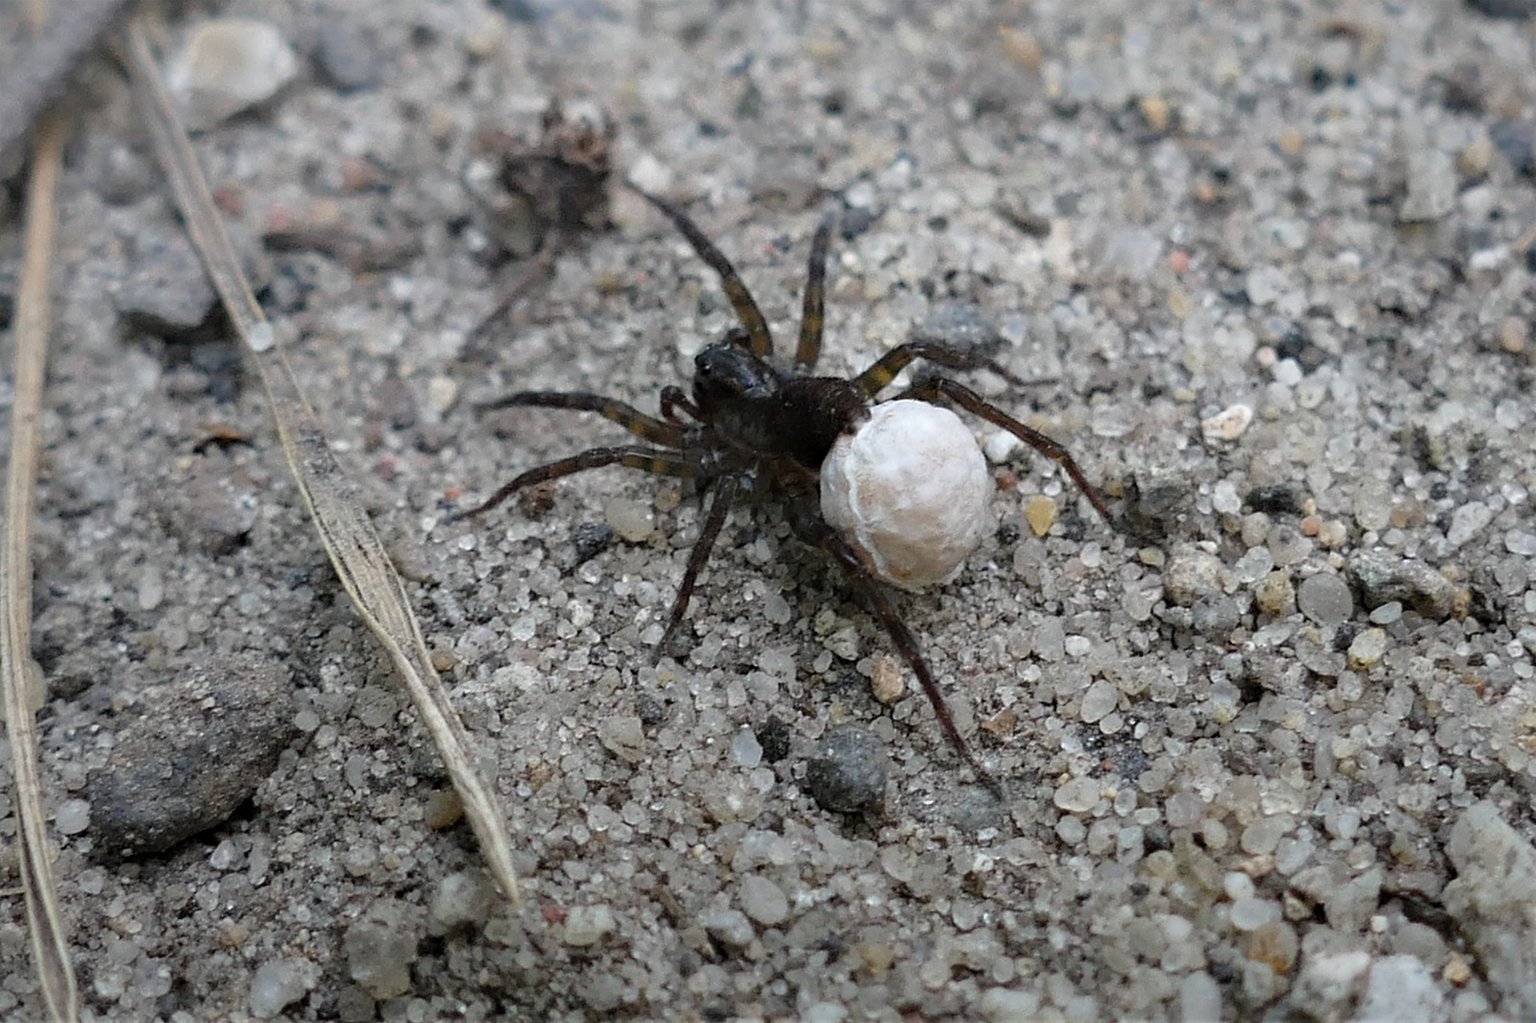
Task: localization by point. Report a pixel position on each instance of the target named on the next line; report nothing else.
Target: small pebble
(746, 751)
(1002, 1005)
(278, 983)
(1275, 944)
(847, 773)
(887, 680)
(1387, 613)
(624, 737)
(1386, 578)
(1366, 648)
(763, 901)
(73, 816)
(188, 753)
(1401, 989)
(587, 925)
(228, 65)
(1040, 513)
(1000, 447)
(1189, 575)
(460, 898)
(1098, 701)
(729, 927)
(165, 290)
(1228, 424)
(1274, 594)
(346, 56)
(1466, 522)
(1078, 795)
(1513, 334)
(1325, 598)
(633, 520)
(1215, 614)
(381, 947)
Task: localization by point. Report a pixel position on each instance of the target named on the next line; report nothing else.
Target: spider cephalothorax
(896, 493)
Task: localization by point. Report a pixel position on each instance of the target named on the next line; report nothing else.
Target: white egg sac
(910, 490)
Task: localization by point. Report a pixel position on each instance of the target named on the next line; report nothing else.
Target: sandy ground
(1268, 753)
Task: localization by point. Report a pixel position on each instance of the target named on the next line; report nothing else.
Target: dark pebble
(774, 737)
(1382, 578)
(590, 540)
(1517, 141)
(962, 326)
(213, 510)
(1276, 499)
(346, 56)
(188, 753)
(1508, 10)
(165, 292)
(847, 773)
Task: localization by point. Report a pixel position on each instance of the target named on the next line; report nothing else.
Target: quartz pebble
(1227, 425)
(381, 947)
(226, 66)
(587, 925)
(1325, 598)
(1078, 795)
(763, 901)
(1189, 575)
(1493, 899)
(278, 983)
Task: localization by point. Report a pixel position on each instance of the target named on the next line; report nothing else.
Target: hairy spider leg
(632, 419)
(725, 493)
(747, 312)
(813, 314)
(662, 463)
(874, 379)
(674, 398)
(806, 521)
(979, 406)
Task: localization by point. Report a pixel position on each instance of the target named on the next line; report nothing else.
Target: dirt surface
(1268, 747)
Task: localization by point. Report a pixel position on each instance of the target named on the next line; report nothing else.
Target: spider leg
(725, 493)
(662, 463)
(875, 378)
(627, 416)
(747, 312)
(809, 349)
(674, 398)
(809, 526)
(979, 406)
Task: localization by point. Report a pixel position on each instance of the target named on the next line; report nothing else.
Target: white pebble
(1228, 424)
(1000, 447)
(73, 816)
(1078, 795)
(227, 65)
(586, 925)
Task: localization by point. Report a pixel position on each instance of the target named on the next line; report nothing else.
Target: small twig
(354, 548)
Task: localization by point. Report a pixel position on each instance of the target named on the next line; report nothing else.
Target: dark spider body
(749, 425)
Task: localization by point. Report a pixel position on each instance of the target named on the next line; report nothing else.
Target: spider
(749, 425)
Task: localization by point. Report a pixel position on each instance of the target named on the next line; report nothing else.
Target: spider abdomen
(909, 489)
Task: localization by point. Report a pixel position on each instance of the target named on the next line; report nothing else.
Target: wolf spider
(749, 425)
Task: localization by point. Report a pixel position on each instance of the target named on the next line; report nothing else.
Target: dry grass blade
(21, 682)
(348, 536)
(23, 686)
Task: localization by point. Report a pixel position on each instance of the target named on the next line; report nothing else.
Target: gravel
(1268, 747)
